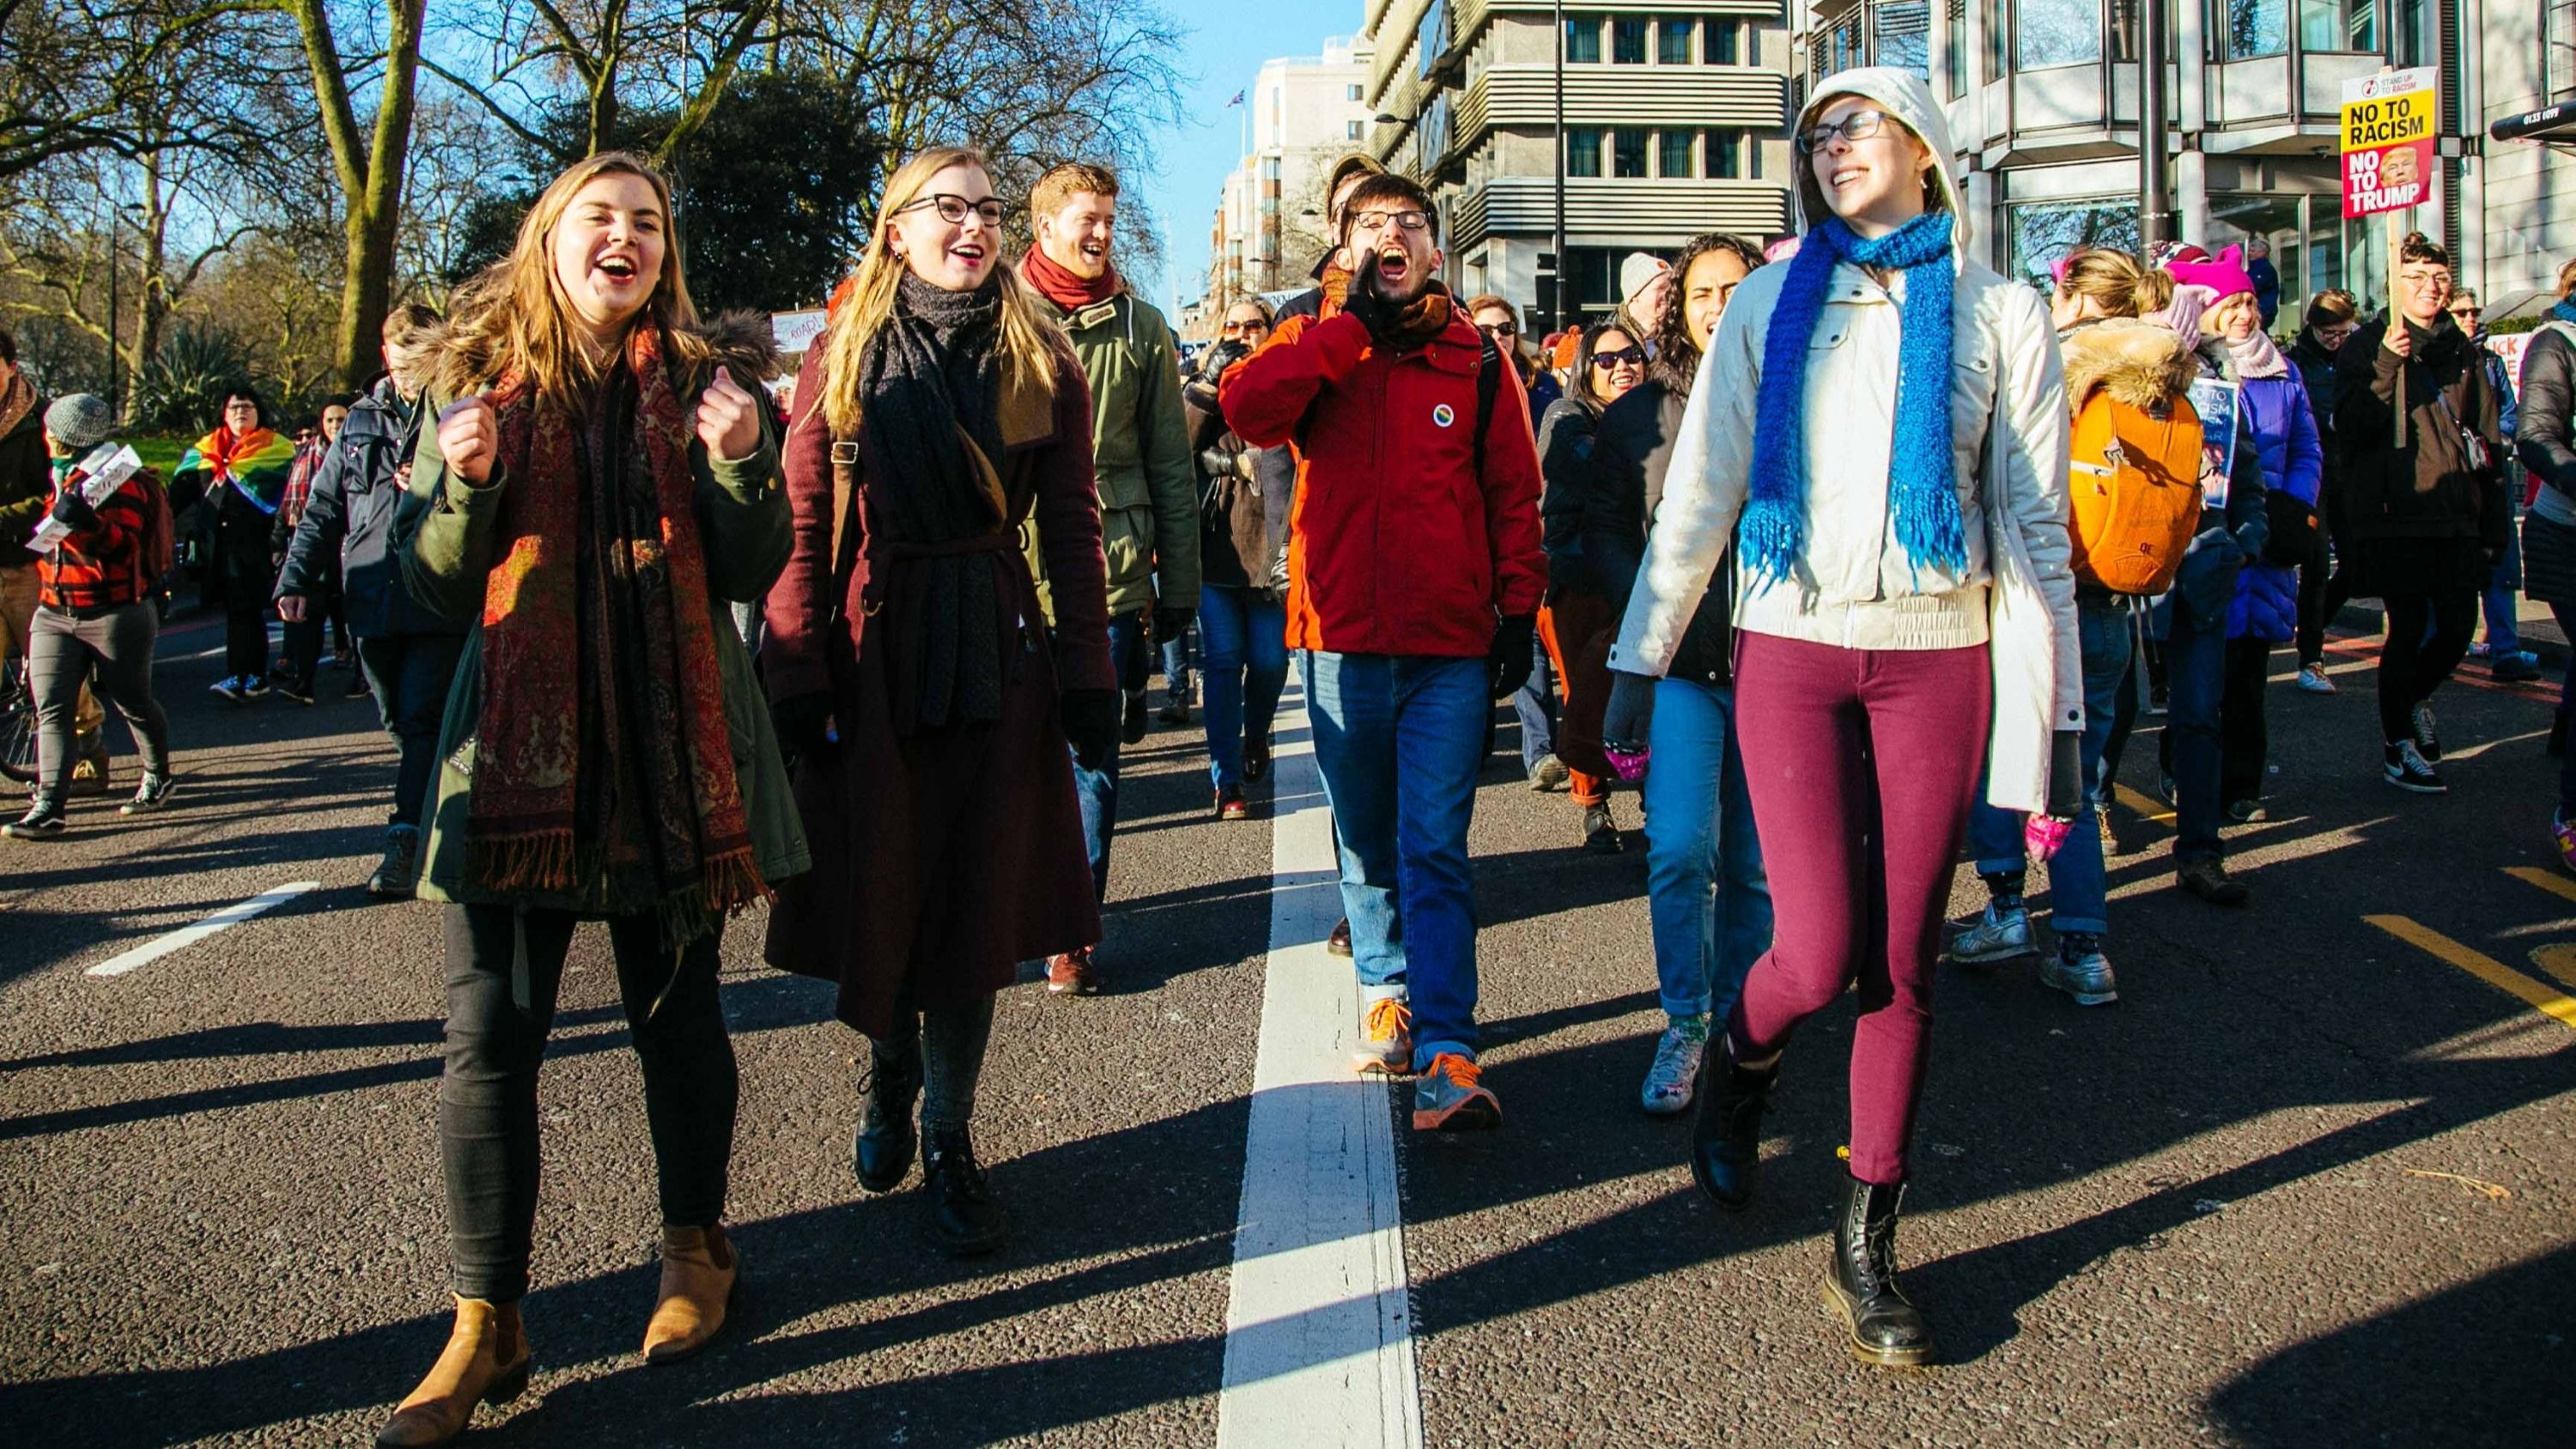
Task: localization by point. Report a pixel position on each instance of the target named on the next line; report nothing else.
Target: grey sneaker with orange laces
(1386, 1038)
(1448, 1098)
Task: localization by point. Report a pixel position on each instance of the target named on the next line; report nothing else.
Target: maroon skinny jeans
(1862, 764)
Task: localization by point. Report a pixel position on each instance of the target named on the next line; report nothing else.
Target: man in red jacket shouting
(1414, 571)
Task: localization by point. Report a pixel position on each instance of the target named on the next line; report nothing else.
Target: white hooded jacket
(1853, 585)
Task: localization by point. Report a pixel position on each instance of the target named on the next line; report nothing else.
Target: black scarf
(933, 372)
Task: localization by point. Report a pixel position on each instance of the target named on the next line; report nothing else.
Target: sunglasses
(1630, 355)
(1231, 328)
(1499, 329)
(953, 208)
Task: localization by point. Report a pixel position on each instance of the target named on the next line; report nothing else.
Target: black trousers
(503, 968)
(2242, 740)
(2411, 665)
(2322, 595)
(410, 675)
(242, 566)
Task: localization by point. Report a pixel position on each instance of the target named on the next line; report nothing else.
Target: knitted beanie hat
(80, 421)
(2224, 275)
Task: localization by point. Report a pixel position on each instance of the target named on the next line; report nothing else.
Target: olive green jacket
(743, 521)
(1140, 445)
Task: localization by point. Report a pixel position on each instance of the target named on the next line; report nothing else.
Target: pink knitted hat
(2223, 275)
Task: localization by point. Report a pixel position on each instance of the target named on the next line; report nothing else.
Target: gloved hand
(804, 725)
(1363, 301)
(73, 511)
(1513, 654)
(1172, 621)
(2065, 774)
(1219, 358)
(1628, 721)
(1090, 719)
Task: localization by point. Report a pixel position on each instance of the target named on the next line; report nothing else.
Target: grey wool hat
(80, 421)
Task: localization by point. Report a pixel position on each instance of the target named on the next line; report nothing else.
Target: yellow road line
(2484, 967)
(2143, 803)
(2558, 959)
(2548, 880)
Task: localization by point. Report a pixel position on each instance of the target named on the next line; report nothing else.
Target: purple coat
(2285, 433)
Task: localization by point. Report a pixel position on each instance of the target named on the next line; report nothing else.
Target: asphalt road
(2309, 1183)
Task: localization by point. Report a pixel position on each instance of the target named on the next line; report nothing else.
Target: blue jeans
(2504, 626)
(1398, 740)
(1176, 665)
(1243, 642)
(2195, 652)
(410, 674)
(1097, 790)
(1706, 894)
(2078, 882)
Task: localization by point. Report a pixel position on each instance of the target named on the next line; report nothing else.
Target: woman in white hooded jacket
(1880, 427)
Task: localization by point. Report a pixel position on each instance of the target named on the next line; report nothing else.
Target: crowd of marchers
(1846, 552)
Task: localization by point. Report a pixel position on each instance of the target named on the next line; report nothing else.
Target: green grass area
(161, 453)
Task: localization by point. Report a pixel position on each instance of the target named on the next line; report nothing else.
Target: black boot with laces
(1885, 1327)
(1726, 1136)
(882, 1151)
(966, 1218)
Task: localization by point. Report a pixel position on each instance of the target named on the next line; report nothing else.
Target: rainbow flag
(255, 463)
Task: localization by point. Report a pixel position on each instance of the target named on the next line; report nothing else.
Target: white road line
(187, 936)
(1318, 1324)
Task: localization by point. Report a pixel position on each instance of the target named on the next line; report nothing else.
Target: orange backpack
(2134, 482)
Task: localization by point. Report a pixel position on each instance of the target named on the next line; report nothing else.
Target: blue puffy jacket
(2276, 410)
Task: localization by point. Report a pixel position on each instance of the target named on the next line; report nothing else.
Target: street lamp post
(1556, 271)
(2155, 183)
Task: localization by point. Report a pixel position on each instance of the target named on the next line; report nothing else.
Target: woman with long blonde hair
(914, 676)
(599, 483)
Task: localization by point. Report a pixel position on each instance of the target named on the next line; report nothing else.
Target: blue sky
(1226, 46)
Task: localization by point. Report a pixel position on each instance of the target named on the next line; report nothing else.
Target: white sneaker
(2312, 679)
(1675, 1074)
(1994, 937)
(2087, 978)
(1549, 774)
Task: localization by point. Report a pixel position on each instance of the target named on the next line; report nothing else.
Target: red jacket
(1395, 547)
(102, 568)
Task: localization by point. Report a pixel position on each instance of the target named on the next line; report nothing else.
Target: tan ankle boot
(699, 1269)
(486, 1361)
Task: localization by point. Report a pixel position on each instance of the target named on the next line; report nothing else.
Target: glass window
(1627, 152)
(2248, 28)
(1842, 44)
(1954, 47)
(1673, 154)
(2274, 221)
(2558, 49)
(1725, 42)
(2041, 232)
(1628, 40)
(1582, 39)
(1350, 92)
(2344, 24)
(1583, 151)
(2058, 32)
(1904, 31)
(1729, 154)
(2410, 31)
(1673, 40)
(1351, 130)
(1592, 278)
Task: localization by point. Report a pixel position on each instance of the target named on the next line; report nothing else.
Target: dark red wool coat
(945, 858)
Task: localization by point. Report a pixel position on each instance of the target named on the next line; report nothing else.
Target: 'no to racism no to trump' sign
(2387, 141)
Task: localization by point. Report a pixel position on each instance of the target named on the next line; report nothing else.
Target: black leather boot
(1886, 1329)
(883, 1150)
(965, 1217)
(1726, 1136)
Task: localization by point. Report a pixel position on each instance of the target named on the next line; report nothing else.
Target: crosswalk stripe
(1318, 1340)
(186, 936)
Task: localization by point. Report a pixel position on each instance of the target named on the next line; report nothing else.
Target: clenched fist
(728, 419)
(469, 437)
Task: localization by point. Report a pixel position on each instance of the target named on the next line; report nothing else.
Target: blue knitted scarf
(2563, 312)
(1922, 491)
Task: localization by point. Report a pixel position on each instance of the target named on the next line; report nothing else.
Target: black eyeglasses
(953, 208)
(1858, 126)
(1376, 221)
(1632, 355)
